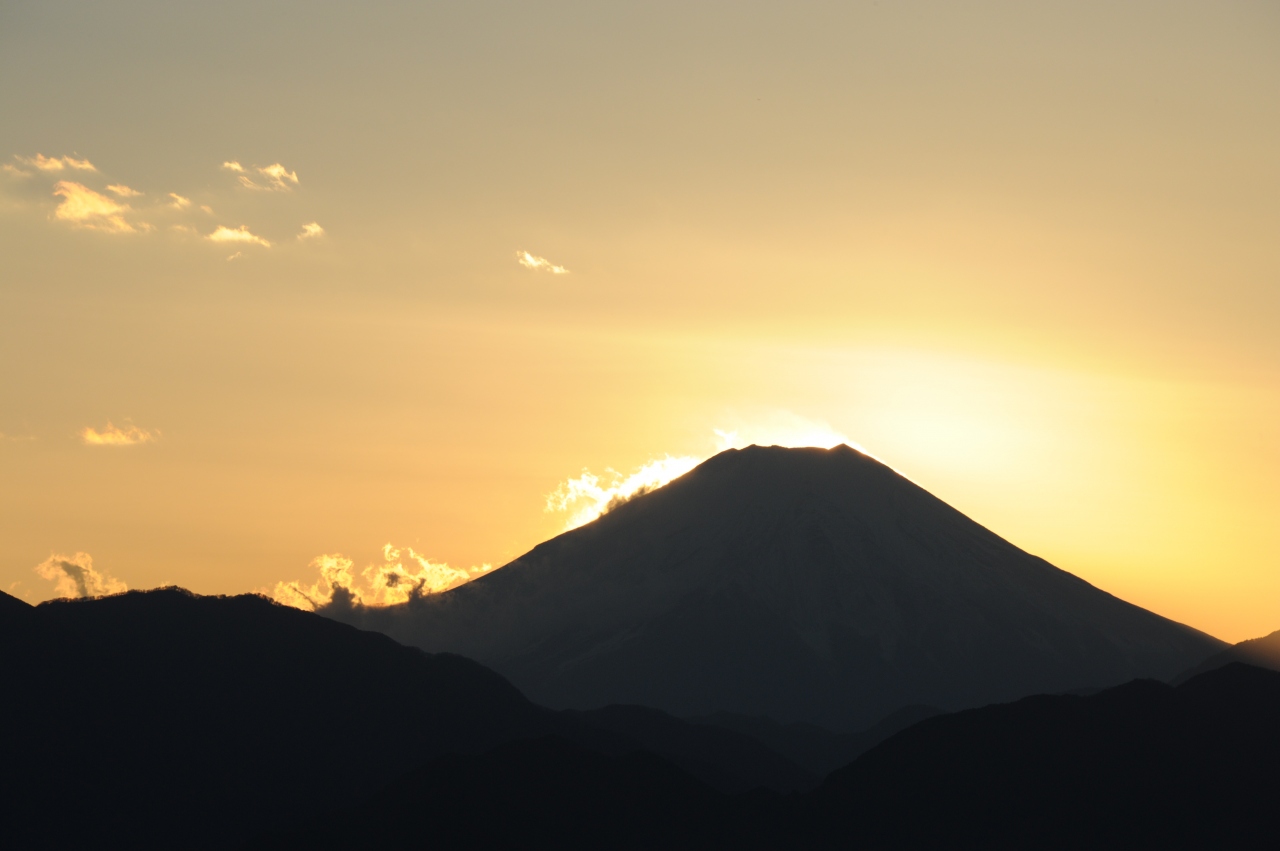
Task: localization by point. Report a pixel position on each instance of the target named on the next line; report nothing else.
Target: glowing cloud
(589, 496)
(179, 203)
(240, 234)
(123, 191)
(83, 207)
(539, 264)
(115, 436)
(311, 231)
(43, 163)
(402, 575)
(278, 178)
(74, 576)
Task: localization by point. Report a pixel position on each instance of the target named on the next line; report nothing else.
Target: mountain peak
(803, 584)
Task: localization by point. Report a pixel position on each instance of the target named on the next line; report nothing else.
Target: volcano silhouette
(801, 584)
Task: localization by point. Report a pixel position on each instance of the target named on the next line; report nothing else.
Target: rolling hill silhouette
(1139, 766)
(1143, 765)
(165, 719)
(800, 584)
(1261, 652)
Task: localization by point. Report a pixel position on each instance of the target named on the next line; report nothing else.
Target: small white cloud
(232, 165)
(311, 231)
(113, 435)
(43, 163)
(278, 178)
(539, 264)
(10, 168)
(235, 256)
(74, 576)
(240, 234)
(123, 191)
(179, 203)
(83, 207)
(207, 209)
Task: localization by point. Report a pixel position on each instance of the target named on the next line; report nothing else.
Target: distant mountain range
(805, 585)
(163, 719)
(1139, 766)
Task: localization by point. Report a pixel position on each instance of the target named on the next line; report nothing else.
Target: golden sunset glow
(1025, 255)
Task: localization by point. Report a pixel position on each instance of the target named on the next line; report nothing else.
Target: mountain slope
(166, 719)
(1261, 652)
(1140, 766)
(801, 584)
(1143, 765)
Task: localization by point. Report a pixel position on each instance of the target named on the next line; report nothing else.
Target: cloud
(401, 575)
(83, 207)
(235, 256)
(115, 436)
(311, 231)
(589, 496)
(43, 163)
(179, 203)
(240, 234)
(123, 191)
(539, 264)
(278, 178)
(74, 576)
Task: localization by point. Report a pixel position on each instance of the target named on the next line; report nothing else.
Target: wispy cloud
(43, 163)
(588, 496)
(273, 178)
(179, 202)
(75, 576)
(83, 207)
(237, 235)
(235, 256)
(311, 231)
(113, 435)
(401, 575)
(123, 191)
(539, 264)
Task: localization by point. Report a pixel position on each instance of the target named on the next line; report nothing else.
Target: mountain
(799, 584)
(163, 718)
(1143, 765)
(1140, 766)
(545, 794)
(1260, 652)
(729, 759)
(817, 749)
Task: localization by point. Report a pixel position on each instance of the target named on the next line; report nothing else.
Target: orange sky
(261, 297)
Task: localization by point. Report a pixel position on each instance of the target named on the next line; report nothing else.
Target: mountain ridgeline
(799, 584)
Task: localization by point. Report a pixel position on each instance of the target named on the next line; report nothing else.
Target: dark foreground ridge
(799, 584)
(165, 719)
(1140, 766)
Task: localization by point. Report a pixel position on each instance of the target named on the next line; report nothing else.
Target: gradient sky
(1027, 254)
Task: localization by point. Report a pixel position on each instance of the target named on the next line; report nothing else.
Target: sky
(414, 286)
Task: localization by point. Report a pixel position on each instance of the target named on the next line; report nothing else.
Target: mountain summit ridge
(802, 584)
